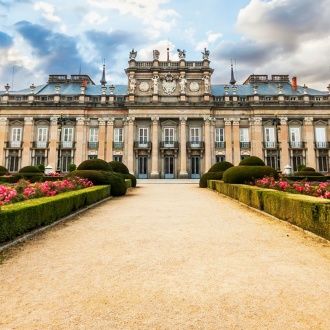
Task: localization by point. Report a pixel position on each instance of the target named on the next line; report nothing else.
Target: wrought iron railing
(195, 144)
(245, 145)
(118, 145)
(142, 144)
(220, 145)
(297, 145)
(93, 145)
(322, 145)
(40, 144)
(169, 144)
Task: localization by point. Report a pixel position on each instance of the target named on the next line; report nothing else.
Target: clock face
(144, 86)
(194, 87)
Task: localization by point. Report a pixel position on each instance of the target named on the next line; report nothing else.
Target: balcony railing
(297, 145)
(195, 144)
(220, 145)
(322, 145)
(40, 144)
(93, 145)
(142, 144)
(270, 145)
(245, 145)
(118, 145)
(169, 144)
(14, 144)
(67, 145)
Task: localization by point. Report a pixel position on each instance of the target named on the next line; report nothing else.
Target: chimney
(85, 83)
(294, 83)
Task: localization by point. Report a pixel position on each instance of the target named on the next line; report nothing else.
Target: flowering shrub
(316, 189)
(24, 190)
(54, 174)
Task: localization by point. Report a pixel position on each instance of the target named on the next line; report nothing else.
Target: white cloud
(94, 18)
(213, 37)
(48, 11)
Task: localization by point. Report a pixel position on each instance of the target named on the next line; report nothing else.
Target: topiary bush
(3, 170)
(209, 176)
(72, 167)
(130, 176)
(307, 173)
(308, 169)
(246, 174)
(31, 173)
(95, 164)
(29, 169)
(119, 167)
(41, 167)
(252, 161)
(220, 166)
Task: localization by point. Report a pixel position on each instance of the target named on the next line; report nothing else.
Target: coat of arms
(169, 84)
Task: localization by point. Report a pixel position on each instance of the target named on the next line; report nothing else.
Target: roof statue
(206, 54)
(182, 53)
(132, 54)
(156, 54)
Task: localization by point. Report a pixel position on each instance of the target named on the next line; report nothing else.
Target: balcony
(67, 144)
(14, 144)
(169, 145)
(195, 145)
(93, 145)
(40, 145)
(118, 145)
(297, 145)
(142, 144)
(269, 145)
(220, 145)
(322, 145)
(245, 145)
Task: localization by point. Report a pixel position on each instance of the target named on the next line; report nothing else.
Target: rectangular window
(143, 137)
(269, 137)
(118, 135)
(67, 137)
(16, 136)
(323, 163)
(42, 137)
(295, 141)
(244, 138)
(13, 163)
(93, 135)
(39, 159)
(320, 137)
(220, 138)
(169, 137)
(194, 134)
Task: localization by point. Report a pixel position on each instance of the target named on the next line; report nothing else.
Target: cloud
(213, 37)
(94, 18)
(48, 11)
(5, 40)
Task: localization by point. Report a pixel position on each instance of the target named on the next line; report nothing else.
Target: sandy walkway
(168, 257)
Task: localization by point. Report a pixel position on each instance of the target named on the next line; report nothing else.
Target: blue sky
(38, 38)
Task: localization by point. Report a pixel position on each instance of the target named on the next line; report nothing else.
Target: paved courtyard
(168, 256)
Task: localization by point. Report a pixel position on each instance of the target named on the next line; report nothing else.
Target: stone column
(256, 137)
(236, 138)
(309, 138)
(53, 139)
(130, 145)
(228, 139)
(284, 145)
(3, 131)
(207, 141)
(108, 151)
(183, 149)
(154, 154)
(26, 154)
(80, 154)
(101, 149)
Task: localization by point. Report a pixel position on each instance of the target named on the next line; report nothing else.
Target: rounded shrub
(209, 176)
(41, 167)
(29, 169)
(252, 161)
(308, 169)
(119, 167)
(307, 173)
(3, 170)
(95, 164)
(246, 174)
(220, 167)
(130, 176)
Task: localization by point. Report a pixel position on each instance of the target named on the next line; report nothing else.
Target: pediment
(169, 123)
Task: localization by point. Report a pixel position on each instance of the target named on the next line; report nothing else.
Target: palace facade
(169, 121)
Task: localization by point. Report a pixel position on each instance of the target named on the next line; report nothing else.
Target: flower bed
(24, 190)
(316, 189)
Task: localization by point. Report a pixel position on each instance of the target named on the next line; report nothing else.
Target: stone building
(169, 121)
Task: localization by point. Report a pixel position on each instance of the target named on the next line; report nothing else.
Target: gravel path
(171, 256)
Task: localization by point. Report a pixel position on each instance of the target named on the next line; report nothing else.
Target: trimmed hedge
(309, 213)
(209, 176)
(119, 167)
(307, 173)
(131, 177)
(309, 178)
(115, 180)
(220, 166)
(22, 217)
(252, 161)
(3, 170)
(95, 164)
(29, 170)
(308, 169)
(244, 174)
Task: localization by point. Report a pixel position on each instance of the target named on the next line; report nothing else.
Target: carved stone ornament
(53, 120)
(28, 120)
(169, 84)
(111, 121)
(236, 121)
(130, 120)
(227, 121)
(3, 120)
(194, 86)
(284, 120)
(144, 86)
(257, 120)
(102, 121)
(154, 119)
(80, 120)
(183, 120)
(308, 120)
(207, 120)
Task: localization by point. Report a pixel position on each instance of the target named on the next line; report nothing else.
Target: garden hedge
(307, 212)
(95, 164)
(220, 166)
(252, 161)
(3, 170)
(209, 176)
(22, 217)
(119, 167)
(131, 177)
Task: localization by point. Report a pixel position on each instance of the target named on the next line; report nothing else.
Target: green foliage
(308, 169)
(118, 185)
(29, 169)
(307, 173)
(95, 164)
(3, 170)
(220, 166)
(252, 161)
(72, 167)
(41, 167)
(300, 167)
(209, 176)
(119, 167)
(19, 218)
(130, 176)
(246, 174)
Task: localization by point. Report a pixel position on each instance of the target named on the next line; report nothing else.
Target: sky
(38, 38)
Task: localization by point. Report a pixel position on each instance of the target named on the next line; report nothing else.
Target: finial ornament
(132, 54)
(206, 54)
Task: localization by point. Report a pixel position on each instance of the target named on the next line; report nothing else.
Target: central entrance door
(169, 167)
(195, 167)
(143, 167)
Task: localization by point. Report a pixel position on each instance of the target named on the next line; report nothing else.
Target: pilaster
(154, 154)
(309, 136)
(26, 154)
(130, 151)
(102, 138)
(256, 136)
(108, 153)
(284, 139)
(228, 139)
(237, 147)
(3, 130)
(183, 148)
(53, 140)
(80, 154)
(207, 141)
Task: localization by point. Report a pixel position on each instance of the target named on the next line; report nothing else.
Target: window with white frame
(295, 141)
(93, 141)
(67, 137)
(219, 138)
(16, 137)
(143, 136)
(118, 135)
(269, 137)
(244, 138)
(169, 136)
(320, 137)
(42, 137)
